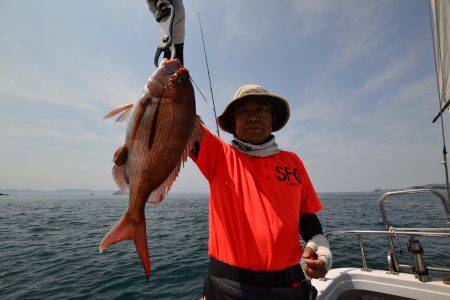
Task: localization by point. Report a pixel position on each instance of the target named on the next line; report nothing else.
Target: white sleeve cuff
(320, 245)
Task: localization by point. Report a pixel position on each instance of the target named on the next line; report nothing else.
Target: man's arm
(208, 153)
(317, 252)
(309, 226)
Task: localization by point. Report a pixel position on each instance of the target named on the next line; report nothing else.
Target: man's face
(253, 121)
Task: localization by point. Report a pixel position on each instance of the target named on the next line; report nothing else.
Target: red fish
(161, 130)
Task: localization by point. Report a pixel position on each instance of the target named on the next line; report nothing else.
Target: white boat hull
(341, 280)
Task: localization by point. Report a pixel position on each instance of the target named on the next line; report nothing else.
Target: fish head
(171, 81)
(180, 84)
(175, 81)
(166, 69)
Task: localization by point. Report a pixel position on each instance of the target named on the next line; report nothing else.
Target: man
(261, 200)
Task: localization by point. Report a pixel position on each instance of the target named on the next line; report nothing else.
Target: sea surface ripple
(49, 244)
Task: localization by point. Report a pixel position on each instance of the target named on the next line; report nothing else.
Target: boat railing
(411, 232)
(415, 248)
(445, 202)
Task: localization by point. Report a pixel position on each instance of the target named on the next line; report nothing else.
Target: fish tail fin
(127, 229)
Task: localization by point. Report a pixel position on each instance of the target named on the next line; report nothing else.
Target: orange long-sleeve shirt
(255, 204)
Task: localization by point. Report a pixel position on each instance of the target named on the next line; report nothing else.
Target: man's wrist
(321, 247)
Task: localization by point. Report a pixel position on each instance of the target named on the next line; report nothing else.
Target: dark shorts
(225, 282)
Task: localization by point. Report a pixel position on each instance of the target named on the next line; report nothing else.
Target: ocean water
(49, 244)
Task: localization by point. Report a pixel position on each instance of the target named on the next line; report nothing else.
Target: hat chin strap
(268, 148)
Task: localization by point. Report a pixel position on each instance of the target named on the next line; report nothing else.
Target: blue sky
(359, 77)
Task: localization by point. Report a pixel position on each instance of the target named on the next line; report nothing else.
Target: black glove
(163, 9)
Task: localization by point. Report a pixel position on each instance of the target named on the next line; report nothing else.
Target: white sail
(440, 17)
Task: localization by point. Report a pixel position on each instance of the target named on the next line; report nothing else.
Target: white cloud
(313, 16)
(47, 129)
(364, 94)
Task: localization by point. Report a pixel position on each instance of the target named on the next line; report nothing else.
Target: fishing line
(198, 89)
(209, 76)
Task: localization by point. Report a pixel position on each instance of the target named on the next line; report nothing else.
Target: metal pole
(363, 256)
(444, 154)
(444, 149)
(435, 269)
(209, 76)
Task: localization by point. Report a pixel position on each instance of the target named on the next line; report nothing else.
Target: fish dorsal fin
(160, 193)
(123, 110)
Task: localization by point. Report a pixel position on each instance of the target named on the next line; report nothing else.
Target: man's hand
(163, 10)
(313, 267)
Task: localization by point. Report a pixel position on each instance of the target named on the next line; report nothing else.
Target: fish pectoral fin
(120, 178)
(126, 229)
(152, 132)
(121, 155)
(123, 110)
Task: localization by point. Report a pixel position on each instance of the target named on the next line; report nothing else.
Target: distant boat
(2, 194)
(377, 190)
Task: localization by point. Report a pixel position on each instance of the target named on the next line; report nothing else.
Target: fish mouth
(166, 69)
(180, 77)
(170, 66)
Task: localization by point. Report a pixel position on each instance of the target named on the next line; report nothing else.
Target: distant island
(89, 192)
(434, 186)
(76, 192)
(59, 192)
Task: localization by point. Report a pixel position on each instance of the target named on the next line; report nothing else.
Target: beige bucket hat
(280, 107)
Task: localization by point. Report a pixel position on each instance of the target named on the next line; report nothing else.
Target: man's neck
(265, 148)
(260, 143)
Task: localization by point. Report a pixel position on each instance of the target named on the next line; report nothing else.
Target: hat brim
(280, 108)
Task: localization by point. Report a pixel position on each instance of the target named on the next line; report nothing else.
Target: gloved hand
(313, 267)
